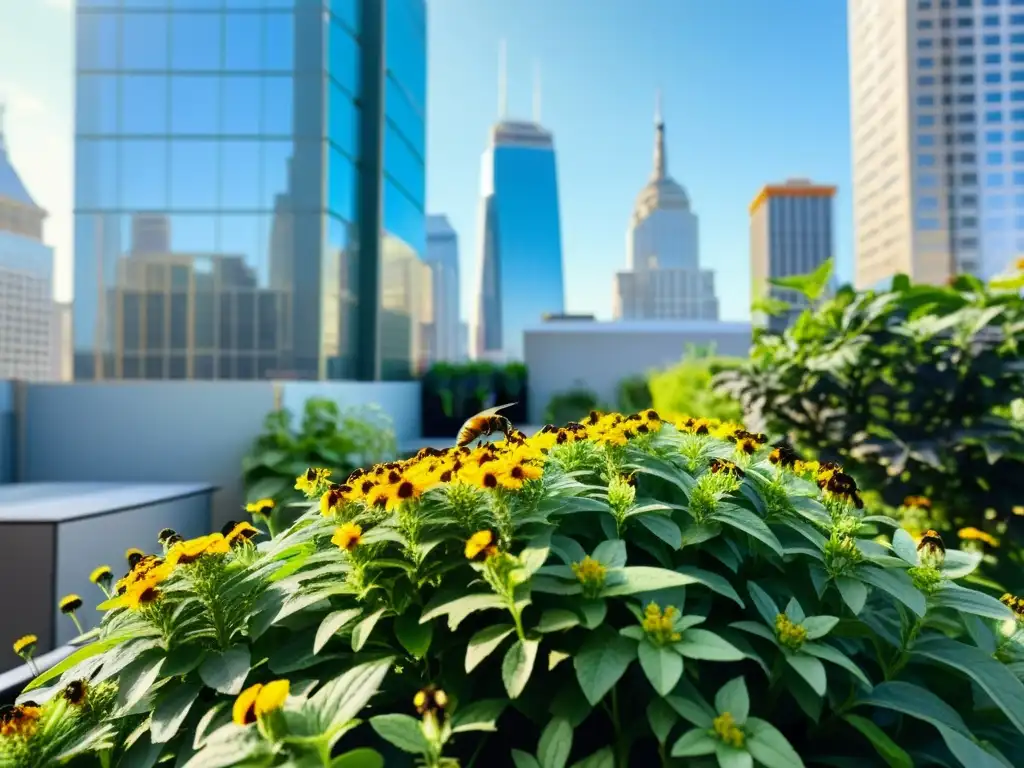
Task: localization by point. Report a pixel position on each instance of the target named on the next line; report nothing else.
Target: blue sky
(754, 91)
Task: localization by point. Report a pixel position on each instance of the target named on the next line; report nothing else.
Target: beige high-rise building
(937, 113)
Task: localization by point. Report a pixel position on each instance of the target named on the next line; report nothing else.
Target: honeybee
(484, 424)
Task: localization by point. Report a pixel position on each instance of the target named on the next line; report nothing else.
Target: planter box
(52, 535)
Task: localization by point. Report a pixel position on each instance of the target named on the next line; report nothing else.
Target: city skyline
(725, 148)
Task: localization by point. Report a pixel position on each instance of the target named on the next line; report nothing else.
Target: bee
(484, 424)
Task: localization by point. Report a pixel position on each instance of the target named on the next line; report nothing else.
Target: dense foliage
(571, 405)
(686, 387)
(917, 390)
(453, 392)
(619, 592)
(327, 436)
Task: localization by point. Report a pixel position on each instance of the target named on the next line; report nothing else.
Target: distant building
(937, 134)
(663, 279)
(520, 251)
(63, 363)
(791, 233)
(463, 342)
(443, 259)
(26, 280)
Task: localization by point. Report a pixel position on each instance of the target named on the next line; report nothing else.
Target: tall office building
(443, 259)
(520, 262)
(663, 279)
(937, 108)
(26, 280)
(244, 172)
(791, 234)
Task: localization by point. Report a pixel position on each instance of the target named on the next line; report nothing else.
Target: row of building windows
(925, 5)
(991, 97)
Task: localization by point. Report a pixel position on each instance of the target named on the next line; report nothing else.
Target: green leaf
(811, 285)
(811, 670)
(171, 710)
(414, 636)
(458, 609)
(970, 601)
(730, 757)
(712, 581)
(893, 754)
(524, 759)
(592, 613)
(662, 718)
(481, 715)
(746, 521)
(694, 743)
(769, 747)
(518, 665)
(734, 699)
(904, 547)
(611, 553)
(362, 631)
(763, 603)
(226, 671)
(82, 654)
(402, 731)
(693, 712)
(663, 527)
(556, 620)
(959, 563)
(484, 643)
(555, 744)
(136, 680)
(897, 584)
(363, 757)
(536, 553)
(707, 646)
(603, 758)
(662, 665)
(991, 676)
(601, 661)
(331, 624)
(630, 581)
(819, 626)
(830, 654)
(853, 592)
(341, 699)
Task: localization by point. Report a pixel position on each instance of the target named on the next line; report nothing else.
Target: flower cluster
(660, 624)
(591, 574)
(789, 633)
(727, 731)
(1015, 604)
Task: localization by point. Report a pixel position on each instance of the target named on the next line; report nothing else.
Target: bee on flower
(931, 550)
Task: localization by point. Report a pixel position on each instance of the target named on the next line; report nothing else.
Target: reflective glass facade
(522, 273)
(231, 176)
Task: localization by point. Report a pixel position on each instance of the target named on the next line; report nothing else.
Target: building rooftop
(11, 185)
(642, 326)
(792, 188)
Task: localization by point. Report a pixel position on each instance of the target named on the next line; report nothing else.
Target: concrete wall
(8, 433)
(171, 431)
(564, 355)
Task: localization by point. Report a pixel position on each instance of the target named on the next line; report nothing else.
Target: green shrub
(911, 388)
(687, 388)
(328, 436)
(619, 593)
(571, 405)
(634, 394)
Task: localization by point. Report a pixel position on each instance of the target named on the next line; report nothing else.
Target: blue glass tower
(521, 273)
(242, 167)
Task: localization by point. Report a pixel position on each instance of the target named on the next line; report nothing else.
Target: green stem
(621, 746)
(78, 624)
(904, 654)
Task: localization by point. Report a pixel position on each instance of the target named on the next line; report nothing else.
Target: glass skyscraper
(521, 274)
(247, 172)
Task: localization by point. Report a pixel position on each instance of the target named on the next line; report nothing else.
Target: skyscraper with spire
(663, 278)
(520, 244)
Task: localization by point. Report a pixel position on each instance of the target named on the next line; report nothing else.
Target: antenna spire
(536, 92)
(502, 81)
(660, 161)
(657, 107)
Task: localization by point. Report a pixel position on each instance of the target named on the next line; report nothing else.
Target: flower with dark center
(347, 536)
(783, 455)
(101, 576)
(75, 692)
(593, 418)
(481, 545)
(842, 485)
(70, 604)
(430, 700)
(260, 507)
(134, 556)
(726, 467)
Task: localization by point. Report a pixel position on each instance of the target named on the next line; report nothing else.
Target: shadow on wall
(174, 431)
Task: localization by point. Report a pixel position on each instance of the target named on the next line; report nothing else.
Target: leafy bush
(634, 394)
(327, 436)
(911, 388)
(571, 405)
(453, 392)
(688, 387)
(624, 592)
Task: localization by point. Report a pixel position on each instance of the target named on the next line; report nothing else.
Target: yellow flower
(1015, 604)
(101, 575)
(259, 700)
(19, 721)
(917, 502)
(1018, 510)
(726, 729)
(931, 550)
(660, 625)
(134, 556)
(141, 594)
(25, 645)
(591, 574)
(310, 483)
(481, 545)
(429, 700)
(1019, 264)
(186, 552)
(974, 534)
(514, 475)
(241, 533)
(790, 634)
(347, 536)
(70, 604)
(261, 507)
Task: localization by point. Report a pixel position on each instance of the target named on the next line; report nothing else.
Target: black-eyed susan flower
(975, 534)
(258, 701)
(430, 700)
(842, 486)
(481, 545)
(75, 692)
(68, 606)
(931, 550)
(165, 534)
(19, 721)
(332, 499)
(311, 481)
(347, 536)
(241, 533)
(134, 556)
(515, 474)
(102, 577)
(260, 507)
(187, 552)
(25, 647)
(783, 455)
(727, 731)
(1015, 604)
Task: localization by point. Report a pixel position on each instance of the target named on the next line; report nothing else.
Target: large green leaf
(480, 715)
(555, 744)
(82, 654)
(363, 757)
(332, 624)
(897, 584)
(811, 670)
(601, 661)
(893, 754)
(662, 665)
(734, 699)
(484, 643)
(769, 747)
(171, 710)
(403, 731)
(226, 671)
(138, 678)
(362, 631)
(694, 743)
(811, 285)
(414, 636)
(970, 601)
(746, 521)
(459, 608)
(642, 578)
(518, 666)
(341, 699)
(701, 644)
